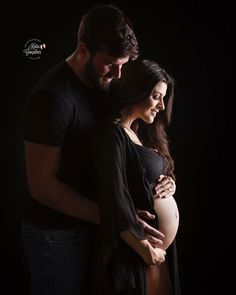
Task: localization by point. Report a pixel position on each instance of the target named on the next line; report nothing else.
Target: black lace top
(153, 163)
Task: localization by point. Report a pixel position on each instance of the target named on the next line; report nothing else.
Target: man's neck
(77, 65)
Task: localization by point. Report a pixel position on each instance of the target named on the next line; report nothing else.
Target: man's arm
(42, 163)
(154, 236)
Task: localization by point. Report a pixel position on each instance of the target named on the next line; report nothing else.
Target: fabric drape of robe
(121, 187)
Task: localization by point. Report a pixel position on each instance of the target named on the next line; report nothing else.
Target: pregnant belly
(168, 219)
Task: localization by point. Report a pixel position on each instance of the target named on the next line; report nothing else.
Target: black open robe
(121, 186)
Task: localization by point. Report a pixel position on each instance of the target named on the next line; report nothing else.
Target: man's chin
(104, 83)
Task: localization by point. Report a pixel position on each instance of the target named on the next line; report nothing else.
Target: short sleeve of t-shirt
(47, 117)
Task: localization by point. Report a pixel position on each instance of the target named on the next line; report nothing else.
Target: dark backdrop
(193, 40)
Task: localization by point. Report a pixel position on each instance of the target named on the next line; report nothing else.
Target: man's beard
(93, 78)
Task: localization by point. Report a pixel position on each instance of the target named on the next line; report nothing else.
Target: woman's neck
(126, 124)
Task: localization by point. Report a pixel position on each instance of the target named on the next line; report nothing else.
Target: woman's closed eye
(156, 96)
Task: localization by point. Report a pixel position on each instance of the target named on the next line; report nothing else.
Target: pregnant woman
(131, 155)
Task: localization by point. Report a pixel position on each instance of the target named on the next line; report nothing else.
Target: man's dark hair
(106, 27)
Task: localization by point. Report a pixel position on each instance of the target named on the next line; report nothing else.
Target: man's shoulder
(52, 79)
(60, 81)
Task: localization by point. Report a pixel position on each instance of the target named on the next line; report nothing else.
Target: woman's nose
(161, 105)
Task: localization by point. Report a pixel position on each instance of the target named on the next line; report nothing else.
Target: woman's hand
(160, 255)
(165, 187)
(156, 257)
(151, 256)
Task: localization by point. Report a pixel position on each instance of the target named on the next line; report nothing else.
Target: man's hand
(154, 236)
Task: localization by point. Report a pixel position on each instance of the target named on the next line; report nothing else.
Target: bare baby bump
(168, 219)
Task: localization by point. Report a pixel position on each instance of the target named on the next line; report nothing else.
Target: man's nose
(116, 71)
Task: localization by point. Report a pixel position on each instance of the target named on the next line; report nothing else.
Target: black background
(194, 41)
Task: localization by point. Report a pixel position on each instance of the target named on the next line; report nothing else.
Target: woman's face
(148, 108)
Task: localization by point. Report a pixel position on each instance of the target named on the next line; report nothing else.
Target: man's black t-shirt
(60, 113)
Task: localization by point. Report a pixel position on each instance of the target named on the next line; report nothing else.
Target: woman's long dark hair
(137, 82)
